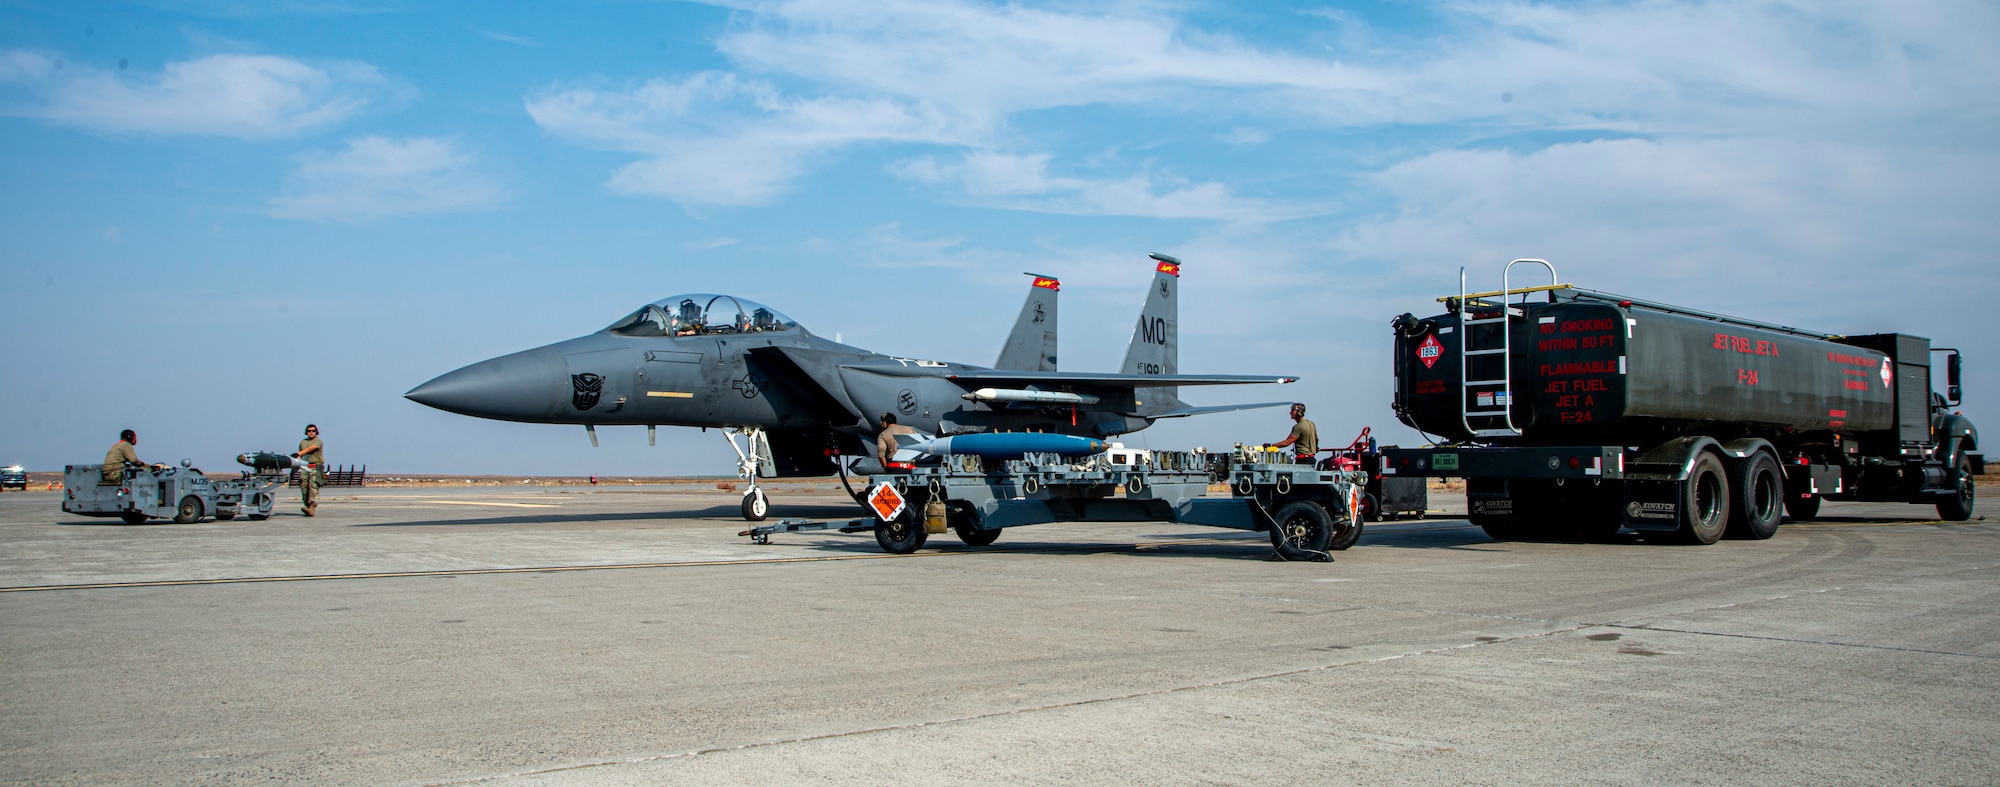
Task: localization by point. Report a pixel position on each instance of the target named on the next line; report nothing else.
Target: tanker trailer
(1572, 413)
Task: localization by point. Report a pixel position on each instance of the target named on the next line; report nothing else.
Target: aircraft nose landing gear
(753, 460)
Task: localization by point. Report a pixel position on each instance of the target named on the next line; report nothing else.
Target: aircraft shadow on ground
(712, 512)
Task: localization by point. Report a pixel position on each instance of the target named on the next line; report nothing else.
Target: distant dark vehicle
(1386, 496)
(14, 476)
(1588, 412)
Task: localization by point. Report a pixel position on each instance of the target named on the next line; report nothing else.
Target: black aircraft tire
(974, 537)
(1958, 507)
(755, 505)
(1705, 502)
(1301, 530)
(1757, 504)
(1345, 533)
(901, 537)
(133, 518)
(189, 510)
(1802, 507)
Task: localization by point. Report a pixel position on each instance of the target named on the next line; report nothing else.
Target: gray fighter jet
(801, 402)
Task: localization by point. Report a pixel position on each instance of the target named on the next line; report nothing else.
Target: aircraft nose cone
(519, 387)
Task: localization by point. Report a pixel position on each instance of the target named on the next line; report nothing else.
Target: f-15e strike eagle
(802, 402)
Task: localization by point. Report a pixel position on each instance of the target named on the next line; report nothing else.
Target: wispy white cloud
(718, 139)
(252, 97)
(1023, 182)
(377, 177)
(506, 38)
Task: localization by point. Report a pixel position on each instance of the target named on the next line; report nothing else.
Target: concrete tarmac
(533, 635)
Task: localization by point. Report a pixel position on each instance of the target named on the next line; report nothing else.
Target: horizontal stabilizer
(1183, 412)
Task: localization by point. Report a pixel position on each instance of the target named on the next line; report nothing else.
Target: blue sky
(221, 220)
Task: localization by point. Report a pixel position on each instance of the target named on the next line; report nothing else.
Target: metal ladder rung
(1484, 321)
(1485, 413)
(1485, 382)
(1493, 351)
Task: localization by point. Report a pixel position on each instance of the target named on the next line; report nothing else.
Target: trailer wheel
(1300, 530)
(133, 518)
(755, 505)
(900, 536)
(1704, 502)
(1759, 502)
(189, 511)
(1371, 511)
(1958, 507)
(1345, 533)
(973, 536)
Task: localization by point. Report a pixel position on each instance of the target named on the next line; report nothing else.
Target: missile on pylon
(1007, 445)
(1026, 395)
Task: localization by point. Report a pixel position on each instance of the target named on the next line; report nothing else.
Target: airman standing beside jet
(885, 442)
(1304, 439)
(312, 452)
(120, 455)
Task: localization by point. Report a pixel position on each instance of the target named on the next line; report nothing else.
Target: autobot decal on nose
(589, 388)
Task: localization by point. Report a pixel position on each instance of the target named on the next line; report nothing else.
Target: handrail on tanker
(1504, 398)
(1543, 288)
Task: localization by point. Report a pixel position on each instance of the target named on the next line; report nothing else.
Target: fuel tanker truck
(1572, 413)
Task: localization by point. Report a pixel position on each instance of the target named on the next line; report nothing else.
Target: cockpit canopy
(702, 314)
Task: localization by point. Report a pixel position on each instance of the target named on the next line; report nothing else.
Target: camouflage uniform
(311, 476)
(115, 461)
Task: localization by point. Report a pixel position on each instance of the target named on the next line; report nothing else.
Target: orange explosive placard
(886, 502)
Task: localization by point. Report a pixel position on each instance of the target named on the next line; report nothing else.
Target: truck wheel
(133, 518)
(189, 511)
(1758, 505)
(755, 505)
(1802, 507)
(900, 537)
(1704, 502)
(1496, 527)
(1300, 530)
(1958, 507)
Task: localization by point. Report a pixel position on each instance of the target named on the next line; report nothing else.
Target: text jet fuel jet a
(799, 399)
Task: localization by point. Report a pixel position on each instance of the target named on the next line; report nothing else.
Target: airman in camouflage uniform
(314, 473)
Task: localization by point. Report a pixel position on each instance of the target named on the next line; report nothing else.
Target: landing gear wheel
(755, 505)
(1704, 502)
(1758, 505)
(1300, 530)
(1371, 510)
(974, 537)
(133, 518)
(901, 536)
(189, 511)
(1958, 507)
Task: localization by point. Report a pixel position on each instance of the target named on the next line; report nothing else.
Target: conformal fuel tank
(1588, 371)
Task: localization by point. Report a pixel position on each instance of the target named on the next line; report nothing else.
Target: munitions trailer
(181, 493)
(1308, 511)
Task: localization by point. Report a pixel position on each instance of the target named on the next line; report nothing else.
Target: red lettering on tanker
(1746, 376)
(1574, 368)
(1430, 351)
(1430, 387)
(1581, 326)
(1745, 345)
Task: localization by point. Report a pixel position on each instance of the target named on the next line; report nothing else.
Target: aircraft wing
(1183, 412)
(816, 396)
(1006, 377)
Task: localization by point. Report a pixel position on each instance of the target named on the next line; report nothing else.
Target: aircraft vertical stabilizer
(1032, 345)
(1155, 347)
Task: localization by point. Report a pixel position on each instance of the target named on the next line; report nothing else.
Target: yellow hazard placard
(886, 502)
